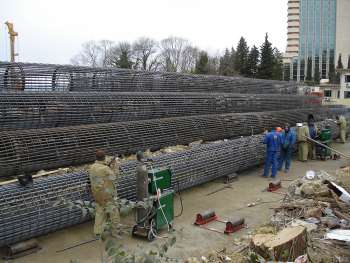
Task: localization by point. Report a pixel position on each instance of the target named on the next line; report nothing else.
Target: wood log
(287, 245)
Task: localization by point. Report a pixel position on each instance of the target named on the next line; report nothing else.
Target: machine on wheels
(151, 220)
(325, 138)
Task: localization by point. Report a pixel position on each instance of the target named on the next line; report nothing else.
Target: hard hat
(278, 129)
(299, 124)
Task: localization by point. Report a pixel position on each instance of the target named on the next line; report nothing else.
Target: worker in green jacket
(303, 148)
(341, 121)
(103, 177)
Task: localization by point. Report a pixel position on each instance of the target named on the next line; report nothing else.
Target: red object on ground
(273, 186)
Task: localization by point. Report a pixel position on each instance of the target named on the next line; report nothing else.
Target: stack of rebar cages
(54, 116)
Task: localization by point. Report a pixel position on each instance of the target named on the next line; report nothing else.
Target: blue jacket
(312, 131)
(273, 141)
(288, 139)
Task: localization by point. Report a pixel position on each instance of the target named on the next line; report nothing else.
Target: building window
(347, 78)
(346, 94)
(328, 93)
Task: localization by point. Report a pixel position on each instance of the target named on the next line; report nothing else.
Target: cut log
(287, 245)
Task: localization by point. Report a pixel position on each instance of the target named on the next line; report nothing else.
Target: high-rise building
(318, 32)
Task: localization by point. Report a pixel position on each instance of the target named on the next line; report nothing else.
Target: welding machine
(161, 214)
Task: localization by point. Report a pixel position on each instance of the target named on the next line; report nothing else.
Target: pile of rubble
(313, 222)
(310, 224)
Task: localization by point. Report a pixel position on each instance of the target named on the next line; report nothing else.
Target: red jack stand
(206, 217)
(274, 186)
(233, 225)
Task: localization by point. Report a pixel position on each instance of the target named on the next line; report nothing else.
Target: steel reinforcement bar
(27, 212)
(43, 110)
(32, 150)
(49, 77)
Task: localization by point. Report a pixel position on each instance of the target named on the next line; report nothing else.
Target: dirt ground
(191, 240)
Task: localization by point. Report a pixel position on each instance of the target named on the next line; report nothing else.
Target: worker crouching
(273, 143)
(288, 141)
(103, 177)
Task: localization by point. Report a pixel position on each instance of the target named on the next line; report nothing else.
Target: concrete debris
(309, 226)
(314, 212)
(313, 205)
(223, 256)
(339, 234)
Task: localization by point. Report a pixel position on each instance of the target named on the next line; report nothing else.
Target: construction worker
(288, 141)
(103, 177)
(341, 121)
(313, 134)
(302, 135)
(273, 143)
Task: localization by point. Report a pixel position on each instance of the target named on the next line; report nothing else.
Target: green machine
(325, 137)
(161, 214)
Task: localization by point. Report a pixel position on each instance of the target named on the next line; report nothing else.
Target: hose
(179, 194)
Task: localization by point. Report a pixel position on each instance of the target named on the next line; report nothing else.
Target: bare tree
(89, 56)
(144, 51)
(189, 57)
(177, 55)
(106, 48)
(171, 50)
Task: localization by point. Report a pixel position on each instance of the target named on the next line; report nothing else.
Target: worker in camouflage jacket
(341, 121)
(103, 177)
(302, 135)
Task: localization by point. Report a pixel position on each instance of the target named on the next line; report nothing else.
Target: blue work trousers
(271, 161)
(285, 157)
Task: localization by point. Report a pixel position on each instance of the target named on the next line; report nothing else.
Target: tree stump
(287, 245)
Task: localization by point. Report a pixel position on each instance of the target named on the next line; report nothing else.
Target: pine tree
(225, 64)
(202, 66)
(331, 74)
(277, 71)
(349, 62)
(241, 56)
(286, 73)
(317, 75)
(309, 70)
(124, 60)
(340, 63)
(266, 60)
(252, 62)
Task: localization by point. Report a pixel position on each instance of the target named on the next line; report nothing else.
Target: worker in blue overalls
(288, 141)
(273, 143)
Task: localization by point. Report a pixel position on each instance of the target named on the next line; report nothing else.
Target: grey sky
(52, 31)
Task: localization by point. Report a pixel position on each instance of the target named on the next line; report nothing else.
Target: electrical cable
(158, 198)
(179, 194)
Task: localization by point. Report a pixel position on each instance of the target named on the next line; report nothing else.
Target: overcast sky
(52, 31)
